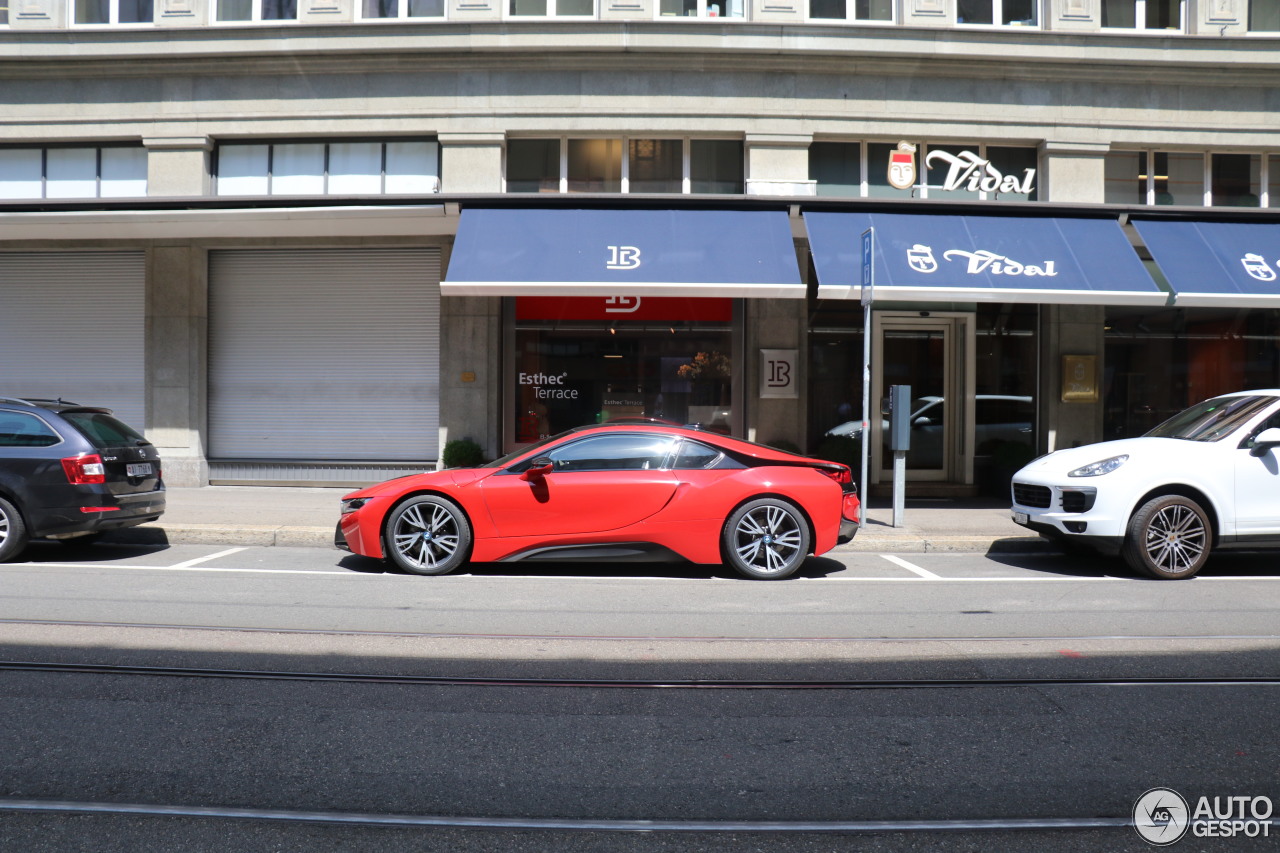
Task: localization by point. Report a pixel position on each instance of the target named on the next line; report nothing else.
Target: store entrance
(933, 353)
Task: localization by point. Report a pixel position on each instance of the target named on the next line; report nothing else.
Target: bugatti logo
(1256, 266)
(920, 258)
(902, 166)
(623, 258)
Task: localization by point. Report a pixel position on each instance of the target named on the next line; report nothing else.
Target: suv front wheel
(13, 532)
(1168, 538)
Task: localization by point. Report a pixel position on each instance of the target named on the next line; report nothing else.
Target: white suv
(1207, 478)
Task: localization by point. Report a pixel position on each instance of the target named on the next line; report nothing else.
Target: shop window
(1235, 180)
(655, 165)
(1007, 13)
(595, 165)
(716, 166)
(836, 167)
(1124, 177)
(374, 9)
(650, 165)
(1176, 178)
(357, 167)
(257, 10)
(1273, 180)
(550, 8)
(1142, 14)
(1159, 362)
(1264, 16)
(862, 10)
(114, 11)
(107, 172)
(666, 360)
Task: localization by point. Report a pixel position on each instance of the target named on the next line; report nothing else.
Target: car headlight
(1097, 469)
(349, 506)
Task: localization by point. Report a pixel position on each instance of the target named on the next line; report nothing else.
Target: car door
(597, 483)
(1257, 503)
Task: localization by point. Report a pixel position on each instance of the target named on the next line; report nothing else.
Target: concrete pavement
(273, 515)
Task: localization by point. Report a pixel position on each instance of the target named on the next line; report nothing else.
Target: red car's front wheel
(427, 535)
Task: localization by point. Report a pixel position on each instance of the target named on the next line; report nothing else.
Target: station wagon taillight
(85, 469)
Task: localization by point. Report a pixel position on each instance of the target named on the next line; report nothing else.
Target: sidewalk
(274, 515)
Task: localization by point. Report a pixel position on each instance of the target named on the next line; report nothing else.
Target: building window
(106, 172)
(979, 172)
(1005, 13)
(1189, 178)
(1235, 180)
(376, 9)
(114, 11)
(632, 165)
(1272, 182)
(551, 8)
(257, 10)
(1142, 14)
(702, 8)
(1264, 16)
(840, 10)
(836, 167)
(355, 167)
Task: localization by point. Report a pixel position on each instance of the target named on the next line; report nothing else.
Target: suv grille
(1028, 495)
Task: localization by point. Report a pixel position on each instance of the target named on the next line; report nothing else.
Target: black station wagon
(71, 472)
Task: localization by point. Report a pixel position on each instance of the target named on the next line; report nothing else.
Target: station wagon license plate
(138, 469)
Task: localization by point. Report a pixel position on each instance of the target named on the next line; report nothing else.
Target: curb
(263, 535)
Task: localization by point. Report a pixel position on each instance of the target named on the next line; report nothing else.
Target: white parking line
(198, 560)
(911, 567)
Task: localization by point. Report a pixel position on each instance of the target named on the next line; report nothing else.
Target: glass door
(927, 353)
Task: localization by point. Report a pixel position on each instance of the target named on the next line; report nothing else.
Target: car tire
(1168, 538)
(427, 535)
(13, 532)
(766, 539)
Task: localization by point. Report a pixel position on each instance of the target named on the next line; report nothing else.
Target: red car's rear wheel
(766, 538)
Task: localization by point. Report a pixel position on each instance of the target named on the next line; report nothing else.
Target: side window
(696, 455)
(626, 452)
(1272, 422)
(18, 429)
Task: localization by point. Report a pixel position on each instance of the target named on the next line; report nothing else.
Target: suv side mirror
(541, 467)
(1266, 440)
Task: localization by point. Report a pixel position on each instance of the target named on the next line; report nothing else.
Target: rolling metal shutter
(323, 364)
(73, 325)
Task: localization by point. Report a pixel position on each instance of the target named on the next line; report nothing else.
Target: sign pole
(868, 290)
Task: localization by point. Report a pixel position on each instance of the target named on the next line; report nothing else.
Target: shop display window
(402, 9)
(1177, 178)
(716, 166)
(1159, 362)
(114, 11)
(550, 8)
(1125, 177)
(1142, 14)
(863, 10)
(592, 360)
(257, 10)
(655, 165)
(595, 165)
(1273, 180)
(702, 8)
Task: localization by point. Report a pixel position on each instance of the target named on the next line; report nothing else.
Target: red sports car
(611, 492)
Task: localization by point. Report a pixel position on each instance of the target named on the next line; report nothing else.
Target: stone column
(178, 166)
(177, 329)
(778, 164)
(471, 162)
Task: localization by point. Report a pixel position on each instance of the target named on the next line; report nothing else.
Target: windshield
(1212, 419)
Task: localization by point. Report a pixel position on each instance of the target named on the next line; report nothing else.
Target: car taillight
(842, 475)
(85, 469)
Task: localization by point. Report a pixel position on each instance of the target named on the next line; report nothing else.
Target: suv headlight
(1097, 469)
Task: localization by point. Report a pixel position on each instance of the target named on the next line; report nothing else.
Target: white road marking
(911, 567)
(198, 560)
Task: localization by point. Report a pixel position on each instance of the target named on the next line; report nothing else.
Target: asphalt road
(878, 702)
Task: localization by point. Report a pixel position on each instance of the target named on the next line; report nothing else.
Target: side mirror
(1266, 440)
(537, 469)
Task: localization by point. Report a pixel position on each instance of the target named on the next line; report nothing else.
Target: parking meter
(900, 417)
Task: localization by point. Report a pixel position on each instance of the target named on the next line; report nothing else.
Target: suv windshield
(103, 430)
(1212, 419)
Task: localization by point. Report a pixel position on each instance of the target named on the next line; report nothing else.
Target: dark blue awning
(553, 252)
(1228, 264)
(941, 258)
